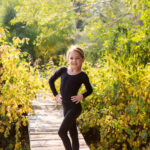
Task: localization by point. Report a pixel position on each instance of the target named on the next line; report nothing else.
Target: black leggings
(69, 124)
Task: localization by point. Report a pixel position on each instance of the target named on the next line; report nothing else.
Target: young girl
(71, 79)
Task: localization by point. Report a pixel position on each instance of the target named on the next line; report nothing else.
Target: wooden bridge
(44, 125)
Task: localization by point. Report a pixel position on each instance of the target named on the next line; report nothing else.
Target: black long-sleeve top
(70, 84)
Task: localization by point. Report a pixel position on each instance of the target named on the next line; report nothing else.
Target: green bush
(119, 106)
(19, 83)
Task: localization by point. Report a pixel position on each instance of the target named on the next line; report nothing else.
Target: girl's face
(75, 60)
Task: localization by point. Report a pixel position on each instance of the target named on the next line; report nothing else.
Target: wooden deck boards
(44, 125)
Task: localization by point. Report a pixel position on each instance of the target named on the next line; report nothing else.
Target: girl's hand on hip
(77, 99)
(58, 98)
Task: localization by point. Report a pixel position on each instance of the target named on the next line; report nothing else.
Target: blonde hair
(77, 49)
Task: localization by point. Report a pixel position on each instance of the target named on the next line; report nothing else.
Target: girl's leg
(69, 119)
(74, 136)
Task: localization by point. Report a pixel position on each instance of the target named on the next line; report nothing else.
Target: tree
(53, 21)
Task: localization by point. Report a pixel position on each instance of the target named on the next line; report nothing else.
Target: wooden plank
(47, 107)
(43, 125)
(47, 136)
(45, 121)
(52, 143)
(46, 118)
(56, 148)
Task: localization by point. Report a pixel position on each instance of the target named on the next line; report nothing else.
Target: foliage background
(115, 36)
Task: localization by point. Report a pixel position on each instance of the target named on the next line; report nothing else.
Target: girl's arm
(88, 91)
(88, 86)
(53, 78)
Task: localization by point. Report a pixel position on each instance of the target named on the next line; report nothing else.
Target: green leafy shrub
(18, 85)
(119, 105)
